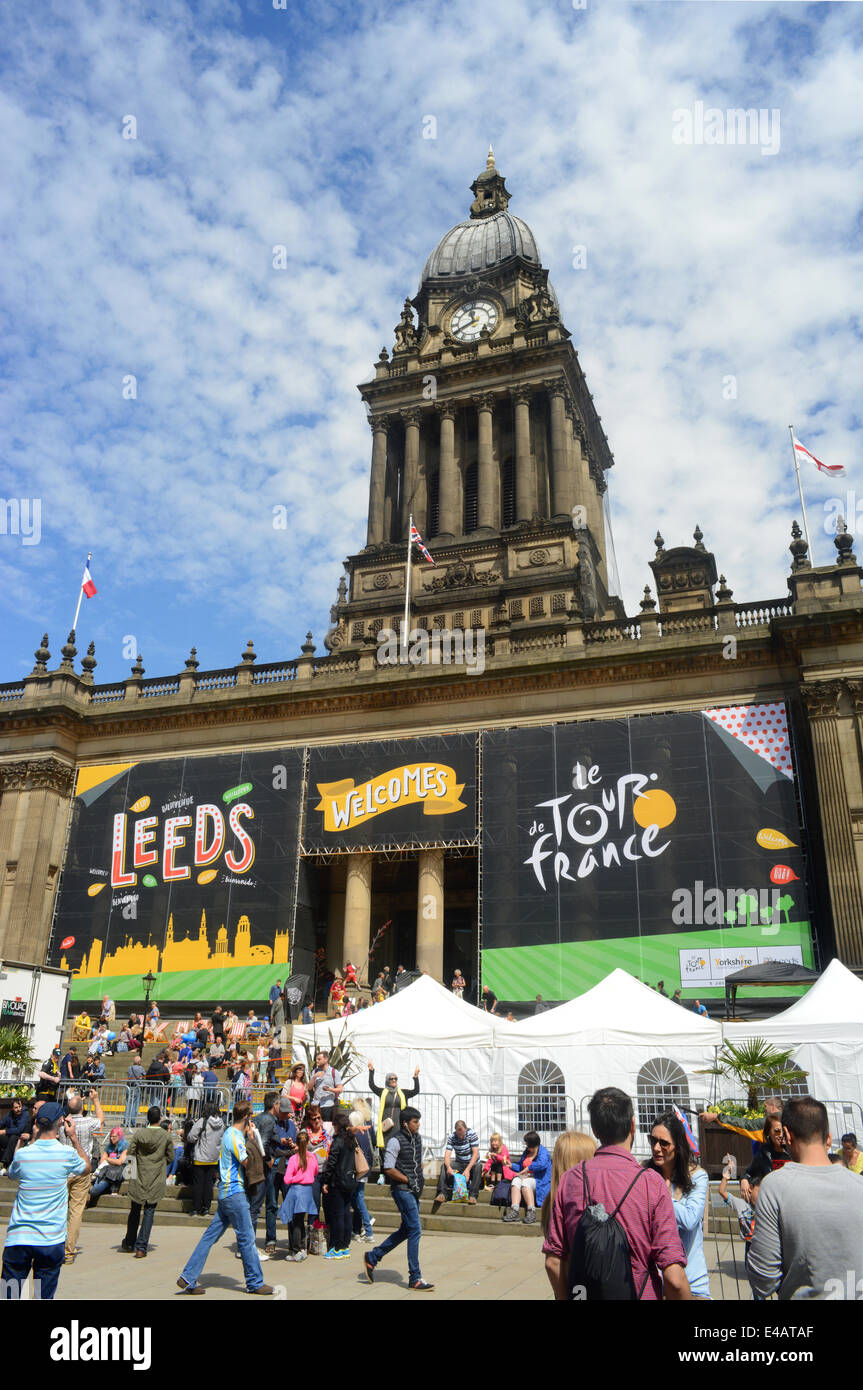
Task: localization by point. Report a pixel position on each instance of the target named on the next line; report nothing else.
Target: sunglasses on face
(655, 1142)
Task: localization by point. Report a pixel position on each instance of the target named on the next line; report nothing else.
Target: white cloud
(154, 257)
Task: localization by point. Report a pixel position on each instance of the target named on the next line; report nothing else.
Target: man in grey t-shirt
(808, 1237)
(325, 1085)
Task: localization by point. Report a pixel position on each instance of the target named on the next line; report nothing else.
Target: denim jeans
(140, 1238)
(230, 1212)
(46, 1262)
(410, 1230)
(358, 1204)
(133, 1101)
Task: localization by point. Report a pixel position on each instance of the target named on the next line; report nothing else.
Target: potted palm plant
(16, 1063)
(760, 1070)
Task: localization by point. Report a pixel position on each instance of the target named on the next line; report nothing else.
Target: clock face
(468, 322)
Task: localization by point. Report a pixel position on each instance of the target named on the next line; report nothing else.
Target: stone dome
(479, 244)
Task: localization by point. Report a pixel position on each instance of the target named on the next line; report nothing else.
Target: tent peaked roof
(619, 1008)
(424, 1015)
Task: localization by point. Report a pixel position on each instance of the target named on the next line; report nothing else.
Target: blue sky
(152, 258)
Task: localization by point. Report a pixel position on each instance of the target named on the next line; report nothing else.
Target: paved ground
(506, 1268)
(461, 1267)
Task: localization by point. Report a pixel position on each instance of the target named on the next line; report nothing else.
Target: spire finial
(489, 163)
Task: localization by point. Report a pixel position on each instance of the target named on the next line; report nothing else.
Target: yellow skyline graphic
(189, 953)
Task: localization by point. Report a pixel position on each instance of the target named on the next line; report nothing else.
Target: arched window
(541, 1097)
(661, 1084)
(471, 499)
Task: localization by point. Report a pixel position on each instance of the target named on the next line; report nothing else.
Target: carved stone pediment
(462, 574)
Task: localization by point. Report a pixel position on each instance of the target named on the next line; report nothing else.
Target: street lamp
(148, 981)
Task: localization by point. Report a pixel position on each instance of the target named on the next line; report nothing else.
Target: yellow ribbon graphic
(345, 804)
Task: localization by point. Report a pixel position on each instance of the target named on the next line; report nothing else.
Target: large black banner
(186, 868)
(628, 833)
(403, 792)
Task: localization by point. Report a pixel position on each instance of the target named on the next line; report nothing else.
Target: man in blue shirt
(36, 1237)
(232, 1210)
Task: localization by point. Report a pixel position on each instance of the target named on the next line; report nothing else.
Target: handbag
(501, 1193)
(130, 1172)
(318, 1239)
(361, 1163)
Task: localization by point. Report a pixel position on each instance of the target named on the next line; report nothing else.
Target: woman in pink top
(300, 1175)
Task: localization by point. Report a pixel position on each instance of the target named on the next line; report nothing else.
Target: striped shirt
(231, 1156)
(461, 1148)
(43, 1170)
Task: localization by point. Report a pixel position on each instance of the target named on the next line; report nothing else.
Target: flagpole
(800, 490)
(407, 588)
(81, 593)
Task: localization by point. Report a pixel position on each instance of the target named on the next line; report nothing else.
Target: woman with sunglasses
(675, 1161)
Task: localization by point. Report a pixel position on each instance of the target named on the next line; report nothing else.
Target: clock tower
(484, 431)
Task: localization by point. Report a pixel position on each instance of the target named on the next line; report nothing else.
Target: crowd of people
(306, 1159)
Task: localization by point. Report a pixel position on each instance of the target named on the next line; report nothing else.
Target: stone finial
(799, 549)
(343, 590)
(43, 656)
(89, 662)
(660, 545)
(698, 537)
(844, 543)
(138, 668)
(648, 603)
(250, 656)
(308, 647)
(723, 593)
(68, 651)
(192, 662)
(384, 355)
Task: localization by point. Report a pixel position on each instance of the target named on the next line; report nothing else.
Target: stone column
(411, 420)
(525, 475)
(430, 913)
(486, 481)
(562, 490)
(599, 488)
(448, 498)
(378, 483)
(34, 810)
(358, 910)
(836, 758)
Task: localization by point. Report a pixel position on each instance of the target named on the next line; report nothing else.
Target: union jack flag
(417, 540)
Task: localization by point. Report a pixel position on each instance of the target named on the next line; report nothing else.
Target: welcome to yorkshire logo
(435, 785)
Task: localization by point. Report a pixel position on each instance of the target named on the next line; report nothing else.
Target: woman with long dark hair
(674, 1159)
(338, 1184)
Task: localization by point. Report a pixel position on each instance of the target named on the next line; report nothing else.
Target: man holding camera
(85, 1128)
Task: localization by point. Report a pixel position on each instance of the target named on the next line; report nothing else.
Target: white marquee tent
(540, 1072)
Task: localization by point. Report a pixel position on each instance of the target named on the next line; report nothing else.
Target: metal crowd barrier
(127, 1102)
(511, 1116)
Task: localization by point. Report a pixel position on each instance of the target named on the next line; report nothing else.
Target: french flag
(87, 584)
(835, 469)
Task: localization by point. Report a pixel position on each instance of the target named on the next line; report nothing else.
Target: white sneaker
(382, 1182)
(262, 1255)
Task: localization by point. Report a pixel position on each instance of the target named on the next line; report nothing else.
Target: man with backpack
(637, 1253)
